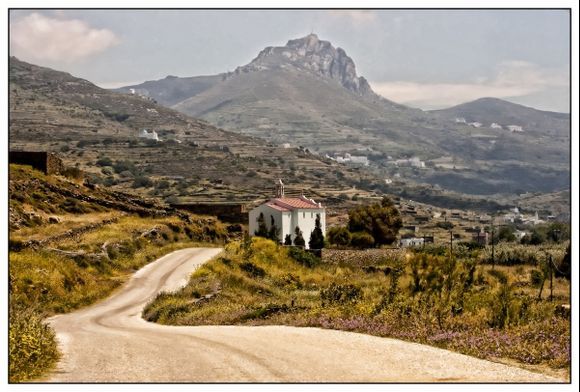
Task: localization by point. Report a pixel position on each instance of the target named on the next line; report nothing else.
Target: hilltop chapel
(287, 213)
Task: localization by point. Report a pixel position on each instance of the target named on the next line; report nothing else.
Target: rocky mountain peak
(315, 55)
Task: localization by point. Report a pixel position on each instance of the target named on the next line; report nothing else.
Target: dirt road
(110, 342)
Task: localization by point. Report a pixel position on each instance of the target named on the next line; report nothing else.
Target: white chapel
(287, 213)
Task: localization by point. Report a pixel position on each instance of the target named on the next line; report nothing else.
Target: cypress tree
(298, 238)
(262, 229)
(316, 237)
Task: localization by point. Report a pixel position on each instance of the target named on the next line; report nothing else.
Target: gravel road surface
(110, 342)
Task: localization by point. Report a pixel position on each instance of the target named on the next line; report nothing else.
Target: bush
(104, 161)
(536, 277)
(120, 117)
(381, 220)
(298, 238)
(340, 294)
(142, 182)
(253, 270)
(499, 275)
(362, 240)
(445, 225)
(32, 346)
(122, 166)
(163, 184)
(303, 257)
(339, 236)
(73, 173)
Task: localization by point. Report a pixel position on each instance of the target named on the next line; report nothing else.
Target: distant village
(475, 124)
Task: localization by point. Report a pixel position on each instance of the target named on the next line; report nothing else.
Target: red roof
(291, 203)
(276, 207)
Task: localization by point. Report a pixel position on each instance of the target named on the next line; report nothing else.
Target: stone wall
(46, 162)
(361, 257)
(226, 212)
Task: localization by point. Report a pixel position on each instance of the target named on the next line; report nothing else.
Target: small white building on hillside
(148, 135)
(515, 128)
(412, 242)
(287, 213)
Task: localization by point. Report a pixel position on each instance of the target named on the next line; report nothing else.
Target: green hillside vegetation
(455, 302)
(70, 246)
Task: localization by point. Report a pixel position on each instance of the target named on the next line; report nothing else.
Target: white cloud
(38, 37)
(511, 79)
(355, 17)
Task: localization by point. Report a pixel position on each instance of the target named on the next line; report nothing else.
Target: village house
(515, 128)
(287, 213)
(144, 134)
(481, 237)
(411, 242)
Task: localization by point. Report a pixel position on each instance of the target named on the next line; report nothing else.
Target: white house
(148, 135)
(495, 126)
(287, 213)
(411, 242)
(515, 128)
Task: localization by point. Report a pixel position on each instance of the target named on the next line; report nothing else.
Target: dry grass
(66, 222)
(442, 303)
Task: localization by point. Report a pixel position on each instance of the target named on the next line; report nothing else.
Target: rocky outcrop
(314, 55)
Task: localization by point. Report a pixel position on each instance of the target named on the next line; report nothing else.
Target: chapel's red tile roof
(277, 207)
(291, 203)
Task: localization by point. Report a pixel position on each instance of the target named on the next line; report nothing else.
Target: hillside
(504, 113)
(71, 245)
(308, 93)
(96, 130)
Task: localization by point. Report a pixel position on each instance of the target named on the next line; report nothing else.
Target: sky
(428, 59)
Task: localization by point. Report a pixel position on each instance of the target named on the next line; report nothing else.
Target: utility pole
(492, 248)
(551, 278)
(451, 234)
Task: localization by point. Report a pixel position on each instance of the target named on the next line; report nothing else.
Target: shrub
(253, 270)
(500, 307)
(381, 220)
(298, 238)
(122, 166)
(340, 294)
(536, 277)
(32, 345)
(499, 275)
(73, 173)
(104, 161)
(120, 117)
(339, 236)
(142, 182)
(362, 240)
(303, 257)
(316, 237)
(445, 225)
(163, 184)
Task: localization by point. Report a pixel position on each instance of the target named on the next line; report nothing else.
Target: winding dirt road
(110, 342)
